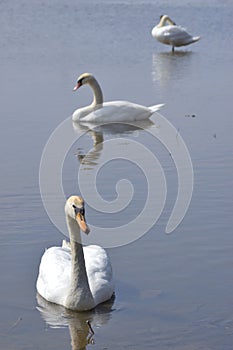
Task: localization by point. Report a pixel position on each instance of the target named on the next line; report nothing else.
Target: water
(171, 290)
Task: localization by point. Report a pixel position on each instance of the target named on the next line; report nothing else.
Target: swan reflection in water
(80, 324)
(98, 131)
(170, 66)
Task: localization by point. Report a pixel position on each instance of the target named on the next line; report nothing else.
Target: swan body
(114, 111)
(171, 34)
(55, 274)
(77, 277)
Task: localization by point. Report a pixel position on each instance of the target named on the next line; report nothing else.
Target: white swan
(171, 34)
(75, 277)
(115, 111)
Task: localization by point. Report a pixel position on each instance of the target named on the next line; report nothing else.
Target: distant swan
(115, 111)
(75, 277)
(171, 34)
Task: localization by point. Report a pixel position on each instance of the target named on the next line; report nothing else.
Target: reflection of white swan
(117, 111)
(171, 34)
(81, 334)
(99, 131)
(76, 278)
(168, 69)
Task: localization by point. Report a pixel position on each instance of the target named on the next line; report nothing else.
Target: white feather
(55, 274)
(114, 111)
(171, 34)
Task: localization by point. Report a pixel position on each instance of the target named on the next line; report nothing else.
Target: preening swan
(74, 276)
(171, 34)
(114, 111)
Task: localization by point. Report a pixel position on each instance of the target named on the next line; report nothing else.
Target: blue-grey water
(172, 291)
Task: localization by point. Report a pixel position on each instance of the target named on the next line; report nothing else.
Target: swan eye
(80, 81)
(82, 211)
(78, 210)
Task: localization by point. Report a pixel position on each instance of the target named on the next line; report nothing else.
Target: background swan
(75, 277)
(114, 111)
(171, 34)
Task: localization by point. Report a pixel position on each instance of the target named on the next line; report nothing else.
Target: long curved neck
(165, 19)
(79, 296)
(97, 92)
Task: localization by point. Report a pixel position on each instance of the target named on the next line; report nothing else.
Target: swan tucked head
(74, 208)
(85, 78)
(164, 18)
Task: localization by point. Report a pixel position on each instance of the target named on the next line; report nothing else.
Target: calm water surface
(172, 291)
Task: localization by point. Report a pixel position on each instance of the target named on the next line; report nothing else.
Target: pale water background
(172, 291)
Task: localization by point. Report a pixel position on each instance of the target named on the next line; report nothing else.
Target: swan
(114, 111)
(72, 276)
(171, 34)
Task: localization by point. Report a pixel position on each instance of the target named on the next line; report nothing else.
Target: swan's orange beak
(82, 223)
(76, 86)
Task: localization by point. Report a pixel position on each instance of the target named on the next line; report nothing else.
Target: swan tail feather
(196, 38)
(156, 108)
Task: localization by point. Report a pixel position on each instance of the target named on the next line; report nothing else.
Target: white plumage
(114, 111)
(76, 277)
(171, 34)
(55, 274)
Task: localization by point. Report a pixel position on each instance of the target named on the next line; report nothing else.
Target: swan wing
(175, 35)
(99, 272)
(54, 275)
(117, 111)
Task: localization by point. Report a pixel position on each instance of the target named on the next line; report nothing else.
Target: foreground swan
(75, 277)
(171, 34)
(115, 111)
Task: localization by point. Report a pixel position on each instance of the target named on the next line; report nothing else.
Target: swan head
(85, 78)
(164, 18)
(74, 209)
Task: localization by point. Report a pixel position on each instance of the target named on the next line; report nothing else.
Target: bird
(114, 111)
(76, 277)
(171, 34)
